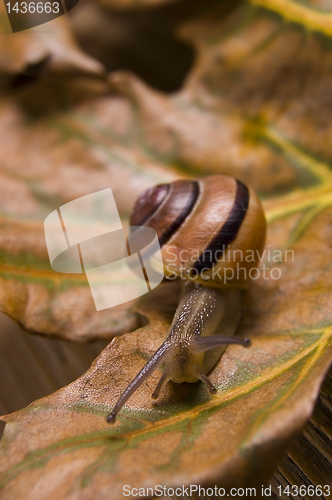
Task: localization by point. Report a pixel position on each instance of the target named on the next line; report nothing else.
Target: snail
(206, 230)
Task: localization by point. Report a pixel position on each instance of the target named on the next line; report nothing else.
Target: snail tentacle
(205, 379)
(140, 378)
(163, 379)
(203, 344)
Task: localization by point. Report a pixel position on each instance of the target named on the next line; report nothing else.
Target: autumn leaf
(256, 105)
(71, 152)
(265, 394)
(38, 52)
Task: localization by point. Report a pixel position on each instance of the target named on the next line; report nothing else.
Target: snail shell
(206, 228)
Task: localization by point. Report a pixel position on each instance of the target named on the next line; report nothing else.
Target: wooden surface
(32, 367)
(309, 461)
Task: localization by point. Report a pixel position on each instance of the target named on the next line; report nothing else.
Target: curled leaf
(70, 153)
(38, 52)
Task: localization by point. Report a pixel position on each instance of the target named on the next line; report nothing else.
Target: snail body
(213, 222)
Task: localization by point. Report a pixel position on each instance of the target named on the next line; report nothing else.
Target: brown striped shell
(211, 230)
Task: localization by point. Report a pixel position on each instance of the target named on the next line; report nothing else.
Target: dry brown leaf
(51, 154)
(265, 394)
(253, 102)
(43, 50)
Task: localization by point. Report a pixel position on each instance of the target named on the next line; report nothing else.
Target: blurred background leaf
(41, 51)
